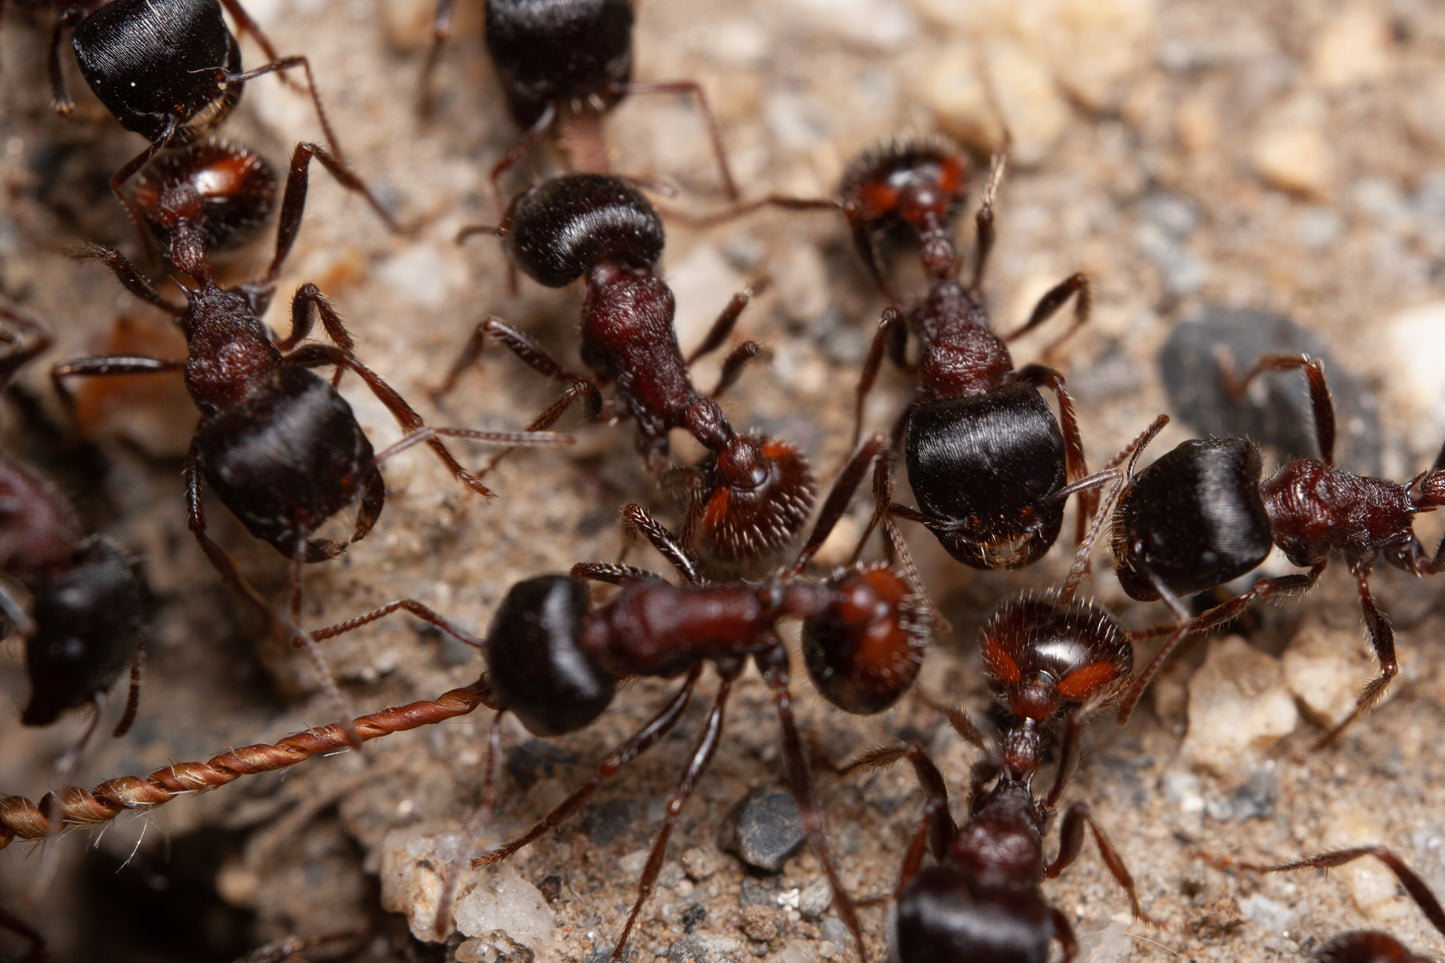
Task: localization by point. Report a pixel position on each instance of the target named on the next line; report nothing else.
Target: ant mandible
(276, 441)
(562, 64)
(1200, 516)
(752, 494)
(555, 659)
(85, 624)
(985, 455)
(1360, 946)
(1046, 657)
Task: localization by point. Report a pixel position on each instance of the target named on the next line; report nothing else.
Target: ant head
(154, 67)
(88, 623)
(752, 498)
(1367, 946)
(217, 190)
(558, 230)
(1194, 519)
(1041, 656)
(911, 187)
(555, 51)
(287, 458)
(539, 667)
(986, 467)
(864, 650)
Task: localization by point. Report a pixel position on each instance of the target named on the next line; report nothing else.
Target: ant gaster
(1047, 657)
(555, 659)
(986, 457)
(562, 64)
(85, 624)
(276, 441)
(751, 494)
(1200, 516)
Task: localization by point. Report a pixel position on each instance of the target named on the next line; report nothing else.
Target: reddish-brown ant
(562, 64)
(555, 660)
(1360, 946)
(276, 441)
(1047, 657)
(752, 494)
(84, 624)
(1200, 516)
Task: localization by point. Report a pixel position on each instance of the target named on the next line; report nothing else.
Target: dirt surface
(1280, 157)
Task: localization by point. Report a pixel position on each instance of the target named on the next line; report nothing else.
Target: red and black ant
(85, 622)
(1200, 516)
(1360, 946)
(562, 64)
(1047, 657)
(276, 441)
(752, 494)
(555, 659)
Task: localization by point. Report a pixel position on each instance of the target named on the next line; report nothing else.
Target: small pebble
(1294, 158)
(1238, 709)
(1267, 913)
(763, 830)
(1323, 673)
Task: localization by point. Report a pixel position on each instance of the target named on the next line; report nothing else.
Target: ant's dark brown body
(561, 65)
(85, 623)
(985, 455)
(752, 494)
(1200, 516)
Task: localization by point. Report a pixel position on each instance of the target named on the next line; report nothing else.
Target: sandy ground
(1277, 157)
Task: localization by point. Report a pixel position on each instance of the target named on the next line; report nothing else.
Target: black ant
(85, 622)
(1200, 516)
(1360, 946)
(167, 72)
(276, 441)
(1047, 657)
(555, 659)
(752, 494)
(562, 64)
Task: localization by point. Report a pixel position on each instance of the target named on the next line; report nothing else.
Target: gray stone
(763, 830)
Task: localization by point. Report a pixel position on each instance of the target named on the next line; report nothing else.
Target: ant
(985, 455)
(555, 659)
(1360, 946)
(167, 74)
(562, 64)
(751, 494)
(276, 441)
(1047, 657)
(1200, 516)
(84, 626)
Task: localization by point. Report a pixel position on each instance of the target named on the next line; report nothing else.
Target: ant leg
(441, 30)
(113, 364)
(60, 100)
(836, 503)
(286, 63)
(132, 698)
(728, 319)
(1071, 842)
(524, 347)
(1219, 615)
(1068, 754)
(1382, 636)
(373, 499)
(1320, 401)
(1054, 299)
(891, 321)
(773, 664)
(1413, 884)
(613, 573)
(245, 25)
(313, 355)
(293, 203)
(126, 273)
(697, 764)
(22, 819)
(307, 303)
(643, 739)
(1064, 930)
(18, 354)
(695, 89)
(423, 612)
(936, 827)
(524, 143)
(133, 167)
(636, 520)
(37, 952)
(983, 220)
(220, 561)
(302, 639)
(733, 365)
